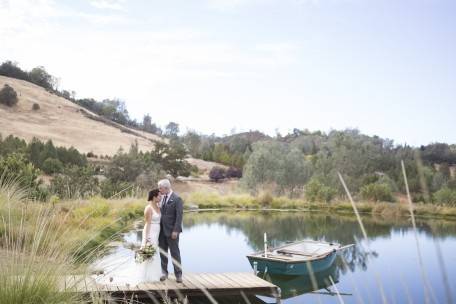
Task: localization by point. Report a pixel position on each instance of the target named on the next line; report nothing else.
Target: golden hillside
(66, 123)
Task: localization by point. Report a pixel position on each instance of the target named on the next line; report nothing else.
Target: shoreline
(249, 203)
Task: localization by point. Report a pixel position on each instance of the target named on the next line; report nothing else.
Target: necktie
(164, 200)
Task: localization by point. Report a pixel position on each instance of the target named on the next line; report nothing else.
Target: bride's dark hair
(153, 194)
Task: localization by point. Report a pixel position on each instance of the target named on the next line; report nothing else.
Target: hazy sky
(387, 67)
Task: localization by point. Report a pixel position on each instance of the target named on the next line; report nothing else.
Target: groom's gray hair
(165, 183)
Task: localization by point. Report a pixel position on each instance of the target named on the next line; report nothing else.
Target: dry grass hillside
(66, 123)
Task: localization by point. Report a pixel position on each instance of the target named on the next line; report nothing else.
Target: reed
(33, 251)
(41, 243)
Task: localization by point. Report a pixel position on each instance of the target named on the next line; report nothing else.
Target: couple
(163, 223)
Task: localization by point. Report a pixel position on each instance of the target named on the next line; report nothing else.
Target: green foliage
(377, 192)
(11, 145)
(192, 142)
(232, 151)
(172, 130)
(171, 158)
(75, 182)
(149, 126)
(275, 164)
(112, 189)
(8, 96)
(445, 196)
(126, 167)
(10, 69)
(315, 191)
(52, 165)
(16, 167)
(438, 153)
(41, 77)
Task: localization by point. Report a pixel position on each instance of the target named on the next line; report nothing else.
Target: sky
(386, 67)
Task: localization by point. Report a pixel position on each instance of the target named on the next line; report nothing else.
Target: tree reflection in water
(283, 227)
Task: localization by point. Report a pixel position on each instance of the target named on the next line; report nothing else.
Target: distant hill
(66, 123)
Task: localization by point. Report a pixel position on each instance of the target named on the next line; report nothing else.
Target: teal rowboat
(300, 258)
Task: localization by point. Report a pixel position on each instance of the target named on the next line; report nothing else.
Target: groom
(170, 226)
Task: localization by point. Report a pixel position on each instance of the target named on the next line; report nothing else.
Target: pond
(386, 267)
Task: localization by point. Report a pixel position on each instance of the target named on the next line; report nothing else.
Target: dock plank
(217, 284)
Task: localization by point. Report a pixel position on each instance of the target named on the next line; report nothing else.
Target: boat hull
(265, 265)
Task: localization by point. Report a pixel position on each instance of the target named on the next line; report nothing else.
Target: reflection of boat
(292, 286)
(297, 258)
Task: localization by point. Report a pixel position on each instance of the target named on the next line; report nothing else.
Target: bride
(151, 220)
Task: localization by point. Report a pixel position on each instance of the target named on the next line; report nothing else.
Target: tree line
(307, 163)
(73, 176)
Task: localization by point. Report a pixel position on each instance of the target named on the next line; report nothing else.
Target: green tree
(445, 196)
(75, 182)
(52, 165)
(41, 77)
(192, 142)
(16, 167)
(172, 129)
(315, 191)
(377, 192)
(171, 158)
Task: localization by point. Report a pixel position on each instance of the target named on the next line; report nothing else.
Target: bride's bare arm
(147, 215)
(147, 218)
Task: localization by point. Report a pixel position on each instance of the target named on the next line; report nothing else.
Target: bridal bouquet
(146, 253)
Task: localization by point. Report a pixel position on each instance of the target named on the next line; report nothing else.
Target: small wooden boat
(300, 258)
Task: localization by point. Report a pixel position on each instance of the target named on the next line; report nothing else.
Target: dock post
(255, 267)
(279, 296)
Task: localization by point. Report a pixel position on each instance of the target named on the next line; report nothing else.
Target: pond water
(385, 268)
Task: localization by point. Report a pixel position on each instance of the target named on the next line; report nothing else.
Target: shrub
(16, 167)
(36, 107)
(265, 199)
(112, 189)
(445, 196)
(233, 172)
(52, 165)
(315, 191)
(8, 96)
(217, 173)
(76, 182)
(377, 192)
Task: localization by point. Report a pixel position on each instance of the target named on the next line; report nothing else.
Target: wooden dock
(210, 285)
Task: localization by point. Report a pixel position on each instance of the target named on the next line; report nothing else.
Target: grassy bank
(42, 242)
(266, 201)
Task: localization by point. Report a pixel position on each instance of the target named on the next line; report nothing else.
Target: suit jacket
(171, 215)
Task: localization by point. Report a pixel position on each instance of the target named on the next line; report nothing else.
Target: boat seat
(287, 251)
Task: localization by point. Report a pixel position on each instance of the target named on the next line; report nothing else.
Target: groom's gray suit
(171, 221)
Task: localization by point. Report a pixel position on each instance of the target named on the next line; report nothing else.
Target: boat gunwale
(258, 255)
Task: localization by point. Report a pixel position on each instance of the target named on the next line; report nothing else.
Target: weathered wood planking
(194, 284)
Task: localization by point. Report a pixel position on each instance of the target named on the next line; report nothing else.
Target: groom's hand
(174, 235)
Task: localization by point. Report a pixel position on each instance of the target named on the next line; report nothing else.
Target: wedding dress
(151, 230)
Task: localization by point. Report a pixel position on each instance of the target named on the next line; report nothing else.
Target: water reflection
(211, 237)
(283, 227)
(292, 286)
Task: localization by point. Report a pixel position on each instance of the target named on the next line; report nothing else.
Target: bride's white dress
(151, 229)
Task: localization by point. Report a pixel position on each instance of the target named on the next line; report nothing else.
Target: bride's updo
(153, 194)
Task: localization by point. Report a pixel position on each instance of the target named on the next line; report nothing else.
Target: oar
(344, 247)
(330, 293)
